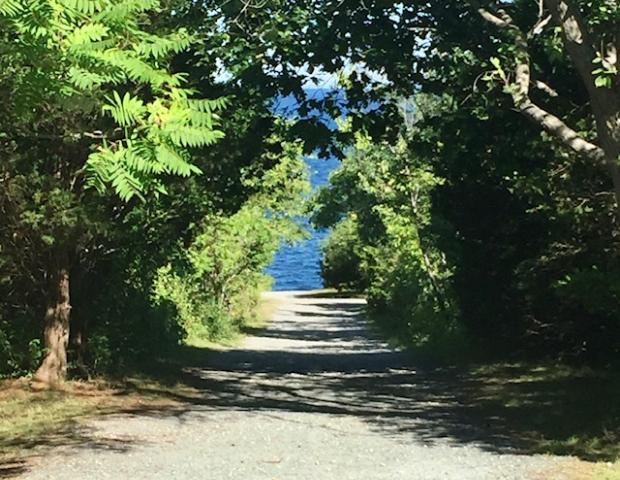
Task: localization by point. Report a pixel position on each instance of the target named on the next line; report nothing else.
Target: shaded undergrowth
(542, 406)
(504, 408)
(549, 408)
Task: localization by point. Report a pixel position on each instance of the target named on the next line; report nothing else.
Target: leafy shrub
(19, 352)
(218, 285)
(378, 204)
(128, 329)
(342, 258)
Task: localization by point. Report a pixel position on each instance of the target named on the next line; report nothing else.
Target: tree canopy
(147, 178)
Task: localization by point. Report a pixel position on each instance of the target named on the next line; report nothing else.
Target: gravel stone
(315, 396)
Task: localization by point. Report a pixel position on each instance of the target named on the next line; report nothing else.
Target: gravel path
(313, 397)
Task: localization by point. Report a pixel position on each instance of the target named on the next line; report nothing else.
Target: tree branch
(576, 38)
(542, 86)
(539, 26)
(558, 128)
(520, 91)
(494, 19)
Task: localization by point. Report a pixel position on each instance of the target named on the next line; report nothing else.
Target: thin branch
(491, 18)
(520, 87)
(542, 86)
(539, 26)
(542, 21)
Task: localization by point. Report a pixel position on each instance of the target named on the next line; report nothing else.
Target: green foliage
(382, 193)
(484, 238)
(94, 97)
(217, 285)
(19, 353)
(92, 108)
(342, 257)
(129, 330)
(596, 291)
(526, 226)
(466, 215)
(89, 57)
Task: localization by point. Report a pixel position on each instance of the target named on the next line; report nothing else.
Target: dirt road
(312, 397)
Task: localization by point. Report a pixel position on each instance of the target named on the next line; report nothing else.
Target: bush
(342, 258)
(20, 353)
(379, 204)
(217, 286)
(127, 329)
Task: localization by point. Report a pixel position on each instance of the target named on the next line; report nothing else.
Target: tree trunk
(53, 369)
(78, 340)
(607, 116)
(605, 102)
(614, 170)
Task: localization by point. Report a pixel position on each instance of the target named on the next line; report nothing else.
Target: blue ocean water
(298, 267)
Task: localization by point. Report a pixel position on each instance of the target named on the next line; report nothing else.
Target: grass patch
(26, 415)
(331, 293)
(33, 421)
(554, 409)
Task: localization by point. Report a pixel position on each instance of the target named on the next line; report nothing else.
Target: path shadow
(323, 294)
(347, 372)
(348, 327)
(68, 435)
(12, 468)
(507, 409)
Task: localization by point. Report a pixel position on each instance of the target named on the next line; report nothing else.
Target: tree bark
(53, 369)
(604, 102)
(78, 341)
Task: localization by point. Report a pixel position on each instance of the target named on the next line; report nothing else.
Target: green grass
(554, 409)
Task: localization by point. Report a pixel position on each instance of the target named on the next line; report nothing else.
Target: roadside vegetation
(482, 234)
(135, 219)
(33, 420)
(151, 163)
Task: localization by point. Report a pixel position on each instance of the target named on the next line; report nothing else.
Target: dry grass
(32, 421)
(607, 471)
(266, 310)
(574, 470)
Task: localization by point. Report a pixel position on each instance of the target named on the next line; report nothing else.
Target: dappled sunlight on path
(314, 396)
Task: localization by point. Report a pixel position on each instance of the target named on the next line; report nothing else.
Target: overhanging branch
(520, 89)
(558, 128)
